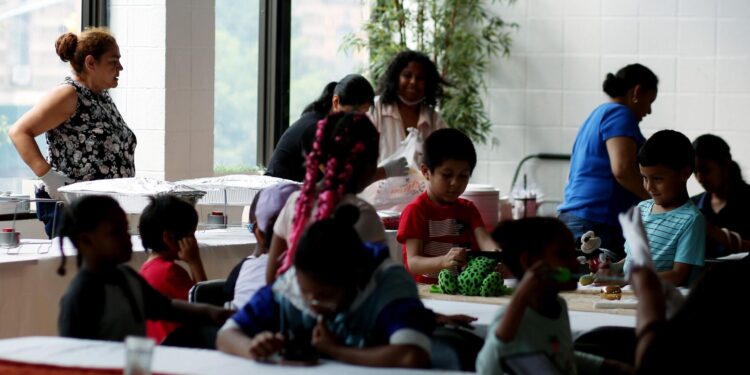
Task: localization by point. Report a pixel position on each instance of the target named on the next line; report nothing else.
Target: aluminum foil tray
(132, 193)
(232, 190)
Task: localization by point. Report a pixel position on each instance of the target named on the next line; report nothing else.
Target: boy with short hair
(167, 227)
(438, 228)
(675, 228)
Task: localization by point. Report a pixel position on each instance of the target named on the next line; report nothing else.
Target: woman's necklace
(410, 103)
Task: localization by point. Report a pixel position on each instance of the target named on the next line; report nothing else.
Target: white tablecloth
(58, 351)
(30, 288)
(580, 321)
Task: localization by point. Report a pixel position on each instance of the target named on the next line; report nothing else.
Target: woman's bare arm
(49, 113)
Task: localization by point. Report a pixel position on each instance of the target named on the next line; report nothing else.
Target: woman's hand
(54, 180)
(322, 338)
(396, 168)
(455, 257)
(265, 344)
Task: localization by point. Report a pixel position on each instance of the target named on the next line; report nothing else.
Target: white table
(735, 256)
(30, 288)
(56, 351)
(580, 321)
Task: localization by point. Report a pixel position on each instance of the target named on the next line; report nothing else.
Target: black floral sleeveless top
(94, 143)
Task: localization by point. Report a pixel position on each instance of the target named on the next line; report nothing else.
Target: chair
(616, 343)
(210, 292)
(557, 157)
(455, 349)
(200, 335)
(542, 157)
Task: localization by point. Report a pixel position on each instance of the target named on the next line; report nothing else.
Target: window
(236, 86)
(318, 28)
(29, 68)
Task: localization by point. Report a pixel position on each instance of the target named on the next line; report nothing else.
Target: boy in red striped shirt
(438, 228)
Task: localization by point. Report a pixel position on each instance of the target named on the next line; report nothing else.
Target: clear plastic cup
(138, 354)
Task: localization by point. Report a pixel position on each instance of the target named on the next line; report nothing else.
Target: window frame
(275, 28)
(94, 13)
(273, 75)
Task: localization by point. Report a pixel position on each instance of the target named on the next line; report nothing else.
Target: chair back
(210, 292)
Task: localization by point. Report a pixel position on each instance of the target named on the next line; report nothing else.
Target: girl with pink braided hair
(341, 164)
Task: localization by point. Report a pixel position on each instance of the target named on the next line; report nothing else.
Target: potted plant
(461, 36)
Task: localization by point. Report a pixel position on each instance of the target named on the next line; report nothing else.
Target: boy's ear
(425, 171)
(168, 239)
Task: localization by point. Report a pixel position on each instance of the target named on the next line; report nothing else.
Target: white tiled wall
(542, 93)
(166, 90)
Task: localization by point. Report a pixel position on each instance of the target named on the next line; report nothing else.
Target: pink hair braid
(339, 156)
(306, 198)
(336, 180)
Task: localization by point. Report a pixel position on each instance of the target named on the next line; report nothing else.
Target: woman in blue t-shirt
(604, 178)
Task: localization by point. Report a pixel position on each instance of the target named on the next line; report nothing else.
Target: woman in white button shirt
(408, 93)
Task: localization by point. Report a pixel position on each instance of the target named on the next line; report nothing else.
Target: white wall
(539, 96)
(166, 91)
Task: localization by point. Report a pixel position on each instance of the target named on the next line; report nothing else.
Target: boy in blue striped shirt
(675, 228)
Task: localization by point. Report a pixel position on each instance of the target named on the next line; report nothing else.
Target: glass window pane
(29, 68)
(236, 85)
(318, 28)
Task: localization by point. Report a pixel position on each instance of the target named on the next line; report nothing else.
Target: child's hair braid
(344, 144)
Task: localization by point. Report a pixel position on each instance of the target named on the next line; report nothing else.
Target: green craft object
(448, 281)
(492, 285)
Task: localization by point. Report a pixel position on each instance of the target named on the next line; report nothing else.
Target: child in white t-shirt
(536, 319)
(251, 272)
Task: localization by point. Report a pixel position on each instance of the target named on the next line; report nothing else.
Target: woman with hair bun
(604, 179)
(87, 137)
